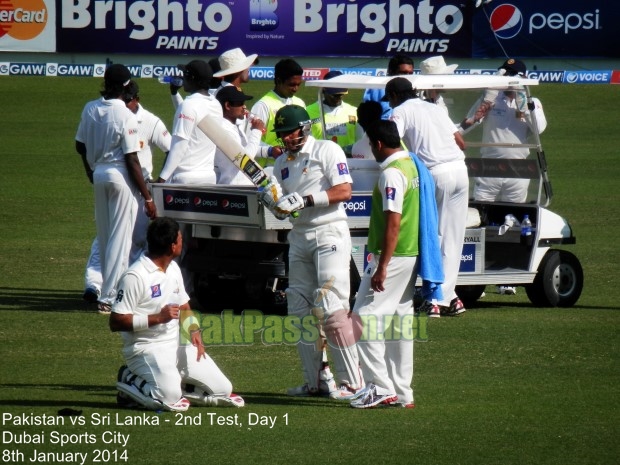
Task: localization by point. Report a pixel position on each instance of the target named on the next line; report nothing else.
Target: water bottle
(174, 80)
(526, 229)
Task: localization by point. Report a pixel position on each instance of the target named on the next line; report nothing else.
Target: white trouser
(319, 258)
(92, 275)
(116, 205)
(501, 189)
(386, 347)
(168, 366)
(451, 195)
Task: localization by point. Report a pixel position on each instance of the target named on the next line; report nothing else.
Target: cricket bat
(234, 151)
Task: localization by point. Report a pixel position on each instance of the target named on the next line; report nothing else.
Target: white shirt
(501, 124)
(143, 290)
(151, 132)
(109, 130)
(319, 165)
(427, 131)
(361, 149)
(226, 171)
(192, 151)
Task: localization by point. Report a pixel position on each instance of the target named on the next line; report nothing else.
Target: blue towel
(430, 264)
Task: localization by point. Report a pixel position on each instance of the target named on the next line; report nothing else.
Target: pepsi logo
(225, 203)
(169, 199)
(506, 21)
(197, 201)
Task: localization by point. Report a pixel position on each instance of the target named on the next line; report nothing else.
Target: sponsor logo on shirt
(343, 168)
(156, 290)
(284, 173)
(390, 193)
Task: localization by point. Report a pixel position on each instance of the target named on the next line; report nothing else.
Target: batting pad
(339, 330)
(136, 395)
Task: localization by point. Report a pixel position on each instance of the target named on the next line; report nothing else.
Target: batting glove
(270, 194)
(288, 204)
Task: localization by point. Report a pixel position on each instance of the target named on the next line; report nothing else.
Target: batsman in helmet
(315, 180)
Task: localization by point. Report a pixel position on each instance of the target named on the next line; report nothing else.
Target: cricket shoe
(372, 399)
(507, 290)
(104, 308)
(344, 392)
(431, 309)
(233, 400)
(456, 308)
(91, 295)
(307, 391)
(399, 404)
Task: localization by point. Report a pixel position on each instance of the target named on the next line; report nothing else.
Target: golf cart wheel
(559, 280)
(469, 294)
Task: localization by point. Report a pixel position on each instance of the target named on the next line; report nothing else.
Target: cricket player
(385, 298)
(107, 140)
(315, 179)
(428, 132)
(233, 107)
(152, 132)
(160, 373)
(192, 153)
(506, 118)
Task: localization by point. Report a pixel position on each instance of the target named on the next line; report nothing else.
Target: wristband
(269, 151)
(320, 199)
(149, 200)
(140, 322)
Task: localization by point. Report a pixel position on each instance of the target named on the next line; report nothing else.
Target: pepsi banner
(549, 29)
(327, 28)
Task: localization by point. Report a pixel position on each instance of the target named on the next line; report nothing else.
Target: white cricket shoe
(344, 392)
(306, 391)
(507, 290)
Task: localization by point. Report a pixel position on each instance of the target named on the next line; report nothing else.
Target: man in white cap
(436, 65)
(235, 68)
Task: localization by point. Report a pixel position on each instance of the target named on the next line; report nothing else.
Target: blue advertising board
(550, 29)
(268, 27)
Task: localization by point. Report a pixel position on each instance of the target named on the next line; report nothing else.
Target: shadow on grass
(44, 300)
(28, 389)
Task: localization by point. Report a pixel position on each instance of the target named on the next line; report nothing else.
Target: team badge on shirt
(342, 168)
(390, 193)
(284, 173)
(156, 291)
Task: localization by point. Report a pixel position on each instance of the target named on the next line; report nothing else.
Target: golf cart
(494, 250)
(237, 253)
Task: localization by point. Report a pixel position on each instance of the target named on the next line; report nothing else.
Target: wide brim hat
(234, 61)
(436, 65)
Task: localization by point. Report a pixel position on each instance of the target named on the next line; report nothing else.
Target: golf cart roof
(436, 81)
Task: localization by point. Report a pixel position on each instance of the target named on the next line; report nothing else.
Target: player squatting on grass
(230, 329)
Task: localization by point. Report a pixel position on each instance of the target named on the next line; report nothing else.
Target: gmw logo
(22, 19)
(507, 21)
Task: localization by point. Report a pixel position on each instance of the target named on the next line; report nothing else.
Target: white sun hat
(234, 61)
(436, 65)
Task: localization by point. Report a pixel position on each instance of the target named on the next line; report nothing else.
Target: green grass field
(507, 383)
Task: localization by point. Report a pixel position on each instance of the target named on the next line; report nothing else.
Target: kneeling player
(160, 373)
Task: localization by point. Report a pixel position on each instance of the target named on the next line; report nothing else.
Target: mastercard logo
(22, 19)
